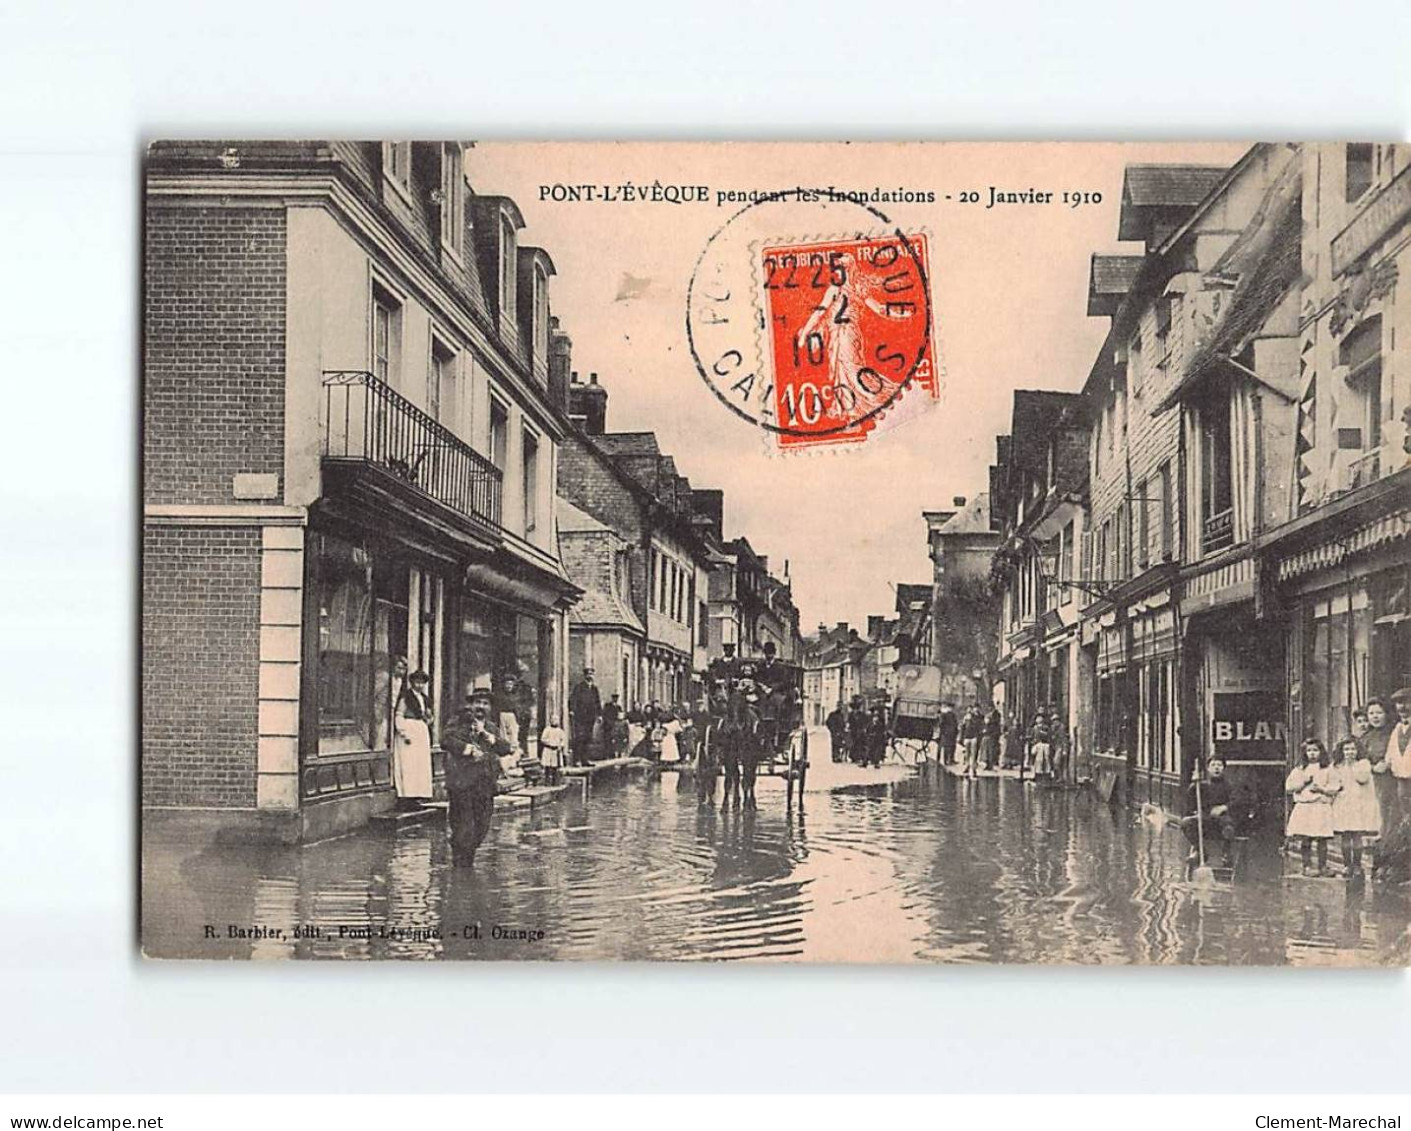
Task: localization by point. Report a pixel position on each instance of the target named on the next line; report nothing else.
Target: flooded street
(885, 864)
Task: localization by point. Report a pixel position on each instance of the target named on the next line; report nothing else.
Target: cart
(917, 706)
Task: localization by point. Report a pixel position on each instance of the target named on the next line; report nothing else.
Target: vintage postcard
(866, 553)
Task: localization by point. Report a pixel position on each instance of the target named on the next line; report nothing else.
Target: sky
(1009, 298)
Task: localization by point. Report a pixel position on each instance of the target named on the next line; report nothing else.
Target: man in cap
(585, 705)
(1398, 752)
(473, 751)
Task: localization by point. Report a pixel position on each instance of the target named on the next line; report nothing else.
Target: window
(1165, 314)
(702, 624)
(1065, 561)
(531, 482)
(386, 336)
(1134, 363)
(507, 268)
(499, 433)
(441, 382)
(397, 163)
(1168, 533)
(345, 646)
(1359, 170)
(541, 317)
(1361, 353)
(452, 200)
(1216, 487)
(1143, 505)
(1122, 532)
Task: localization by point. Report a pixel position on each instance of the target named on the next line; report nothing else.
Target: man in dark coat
(584, 707)
(947, 731)
(837, 724)
(473, 751)
(859, 731)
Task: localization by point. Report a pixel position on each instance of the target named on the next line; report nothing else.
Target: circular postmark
(811, 336)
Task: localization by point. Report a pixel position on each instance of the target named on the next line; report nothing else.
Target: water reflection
(876, 866)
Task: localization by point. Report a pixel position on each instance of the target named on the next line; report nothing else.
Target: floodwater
(883, 865)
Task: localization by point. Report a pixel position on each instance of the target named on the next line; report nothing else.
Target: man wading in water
(473, 751)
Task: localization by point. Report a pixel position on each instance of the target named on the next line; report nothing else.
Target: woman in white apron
(411, 745)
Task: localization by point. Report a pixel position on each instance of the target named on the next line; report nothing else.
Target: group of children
(1353, 793)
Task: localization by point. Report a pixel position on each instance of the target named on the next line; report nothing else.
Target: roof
(1110, 277)
(1036, 415)
(1162, 186)
(973, 518)
(629, 443)
(1266, 268)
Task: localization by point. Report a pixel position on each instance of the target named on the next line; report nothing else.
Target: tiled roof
(973, 518)
(1166, 186)
(628, 443)
(1110, 277)
(1270, 267)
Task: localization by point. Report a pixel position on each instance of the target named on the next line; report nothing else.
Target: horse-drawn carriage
(915, 709)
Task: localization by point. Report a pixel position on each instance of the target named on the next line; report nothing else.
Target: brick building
(349, 454)
(623, 481)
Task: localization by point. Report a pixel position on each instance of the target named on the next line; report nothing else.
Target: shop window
(1359, 170)
(1337, 662)
(345, 646)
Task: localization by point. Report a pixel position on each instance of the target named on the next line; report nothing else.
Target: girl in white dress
(1312, 785)
(1356, 813)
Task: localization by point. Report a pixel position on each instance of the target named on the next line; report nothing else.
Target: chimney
(841, 628)
(958, 501)
(874, 625)
(560, 364)
(589, 401)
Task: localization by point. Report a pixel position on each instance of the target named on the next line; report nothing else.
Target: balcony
(1218, 531)
(373, 431)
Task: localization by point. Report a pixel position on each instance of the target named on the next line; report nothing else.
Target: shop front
(1237, 693)
(1136, 756)
(1341, 582)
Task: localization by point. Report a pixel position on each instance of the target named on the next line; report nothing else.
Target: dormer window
(397, 165)
(452, 201)
(507, 269)
(541, 315)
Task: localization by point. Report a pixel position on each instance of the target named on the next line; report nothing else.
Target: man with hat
(473, 751)
(1398, 751)
(585, 706)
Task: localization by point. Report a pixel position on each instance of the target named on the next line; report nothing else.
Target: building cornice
(364, 222)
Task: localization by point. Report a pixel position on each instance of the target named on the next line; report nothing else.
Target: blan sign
(1248, 726)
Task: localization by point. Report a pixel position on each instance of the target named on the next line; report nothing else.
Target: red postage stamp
(847, 328)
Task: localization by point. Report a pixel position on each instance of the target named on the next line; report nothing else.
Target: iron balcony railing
(1218, 531)
(365, 421)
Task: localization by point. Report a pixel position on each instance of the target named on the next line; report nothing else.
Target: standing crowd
(1359, 793)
